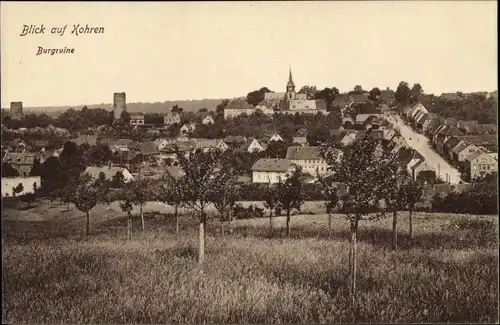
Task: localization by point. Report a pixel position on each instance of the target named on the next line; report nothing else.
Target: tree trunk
(270, 222)
(221, 225)
(68, 206)
(395, 230)
(129, 225)
(87, 224)
(411, 224)
(176, 221)
(201, 254)
(288, 223)
(354, 231)
(330, 225)
(142, 218)
(229, 226)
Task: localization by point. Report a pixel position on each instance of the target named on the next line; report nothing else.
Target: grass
(448, 273)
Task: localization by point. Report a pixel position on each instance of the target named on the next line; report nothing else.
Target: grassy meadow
(53, 274)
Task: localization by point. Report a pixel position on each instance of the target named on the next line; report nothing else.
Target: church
(291, 102)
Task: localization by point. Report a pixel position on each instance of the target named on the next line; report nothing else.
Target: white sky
(162, 51)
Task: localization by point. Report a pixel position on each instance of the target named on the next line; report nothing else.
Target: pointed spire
(290, 76)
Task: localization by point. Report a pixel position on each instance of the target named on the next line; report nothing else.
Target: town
(250, 162)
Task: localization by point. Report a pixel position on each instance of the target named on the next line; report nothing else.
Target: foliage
(403, 93)
(86, 195)
(256, 96)
(223, 193)
(8, 170)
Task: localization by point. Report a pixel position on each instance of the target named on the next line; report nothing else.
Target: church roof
(290, 80)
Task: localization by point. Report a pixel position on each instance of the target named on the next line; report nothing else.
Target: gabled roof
(19, 158)
(174, 172)
(474, 155)
(272, 165)
(300, 140)
(452, 142)
(91, 140)
(303, 153)
(234, 139)
(247, 144)
(123, 142)
(148, 148)
(460, 147)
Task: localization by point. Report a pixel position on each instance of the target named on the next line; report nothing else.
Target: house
(161, 143)
(451, 121)
(425, 117)
(348, 119)
(208, 120)
(366, 118)
(148, 149)
(480, 164)
(300, 141)
(253, 145)
(28, 185)
(462, 150)
(444, 135)
(91, 140)
(186, 129)
(309, 158)
(448, 146)
(22, 162)
(348, 139)
(209, 144)
(109, 172)
(235, 141)
(271, 170)
(416, 108)
(466, 127)
(137, 118)
(431, 127)
(237, 107)
(123, 144)
(276, 137)
(422, 166)
(171, 118)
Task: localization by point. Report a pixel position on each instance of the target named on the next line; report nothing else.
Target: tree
(142, 191)
(203, 110)
(416, 92)
(125, 196)
(362, 171)
(276, 149)
(256, 96)
(290, 194)
(309, 91)
(177, 109)
(403, 93)
(358, 89)
(36, 170)
(8, 170)
(330, 193)
(196, 184)
(413, 191)
(85, 198)
(219, 109)
(18, 189)
(270, 202)
(223, 195)
(172, 194)
(317, 136)
(374, 94)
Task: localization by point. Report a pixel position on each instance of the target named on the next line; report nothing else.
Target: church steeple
(290, 86)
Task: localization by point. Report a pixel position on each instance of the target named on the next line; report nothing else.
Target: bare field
(52, 274)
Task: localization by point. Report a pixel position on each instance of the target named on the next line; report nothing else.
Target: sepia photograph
(227, 162)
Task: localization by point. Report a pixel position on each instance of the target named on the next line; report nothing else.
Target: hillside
(187, 105)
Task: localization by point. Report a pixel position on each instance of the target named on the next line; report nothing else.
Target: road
(420, 143)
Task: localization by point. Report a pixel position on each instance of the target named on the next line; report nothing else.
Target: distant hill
(187, 105)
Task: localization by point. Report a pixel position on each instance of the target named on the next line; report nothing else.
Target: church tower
(290, 87)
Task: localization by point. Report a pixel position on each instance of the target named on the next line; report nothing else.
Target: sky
(159, 51)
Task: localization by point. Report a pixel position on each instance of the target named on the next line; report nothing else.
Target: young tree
(142, 191)
(413, 191)
(223, 195)
(171, 194)
(85, 198)
(196, 184)
(362, 171)
(290, 194)
(125, 196)
(270, 202)
(395, 195)
(330, 192)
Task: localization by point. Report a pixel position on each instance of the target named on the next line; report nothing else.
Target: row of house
(168, 119)
(470, 146)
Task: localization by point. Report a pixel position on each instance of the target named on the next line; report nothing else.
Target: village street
(420, 143)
